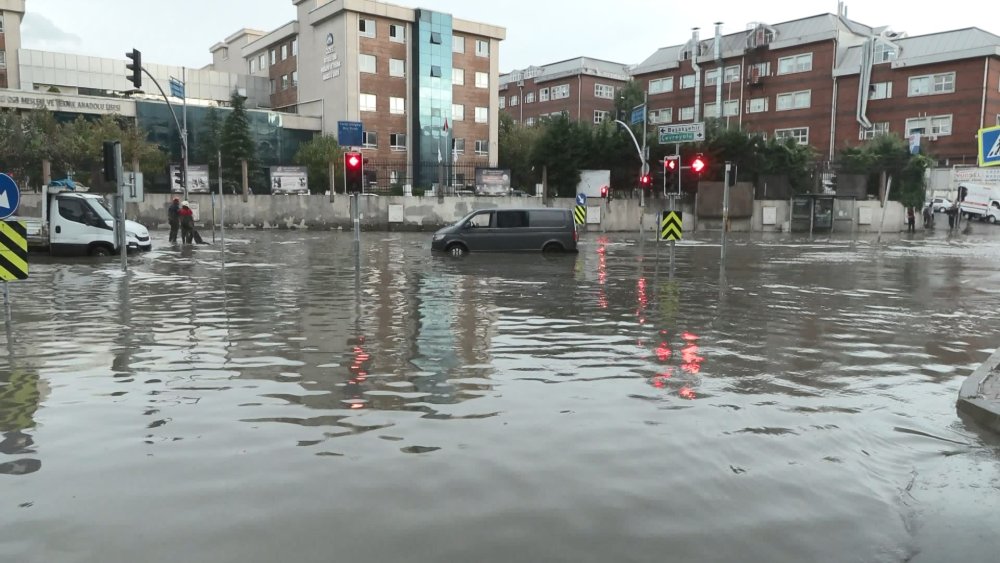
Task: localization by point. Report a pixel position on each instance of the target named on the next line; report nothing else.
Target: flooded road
(798, 405)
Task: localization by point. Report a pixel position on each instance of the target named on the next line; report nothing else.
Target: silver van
(509, 230)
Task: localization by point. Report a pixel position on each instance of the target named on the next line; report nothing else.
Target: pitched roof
(933, 48)
(569, 67)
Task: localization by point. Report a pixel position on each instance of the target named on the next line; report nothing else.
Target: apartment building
(831, 82)
(11, 14)
(583, 88)
(422, 83)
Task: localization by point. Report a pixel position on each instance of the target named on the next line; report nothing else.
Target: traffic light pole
(180, 130)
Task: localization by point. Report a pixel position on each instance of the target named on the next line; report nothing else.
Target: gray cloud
(39, 32)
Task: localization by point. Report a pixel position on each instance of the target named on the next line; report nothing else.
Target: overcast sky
(538, 31)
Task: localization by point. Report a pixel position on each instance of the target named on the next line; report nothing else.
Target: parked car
(509, 230)
(940, 204)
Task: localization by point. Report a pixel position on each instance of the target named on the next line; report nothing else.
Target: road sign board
(581, 199)
(13, 251)
(10, 196)
(349, 133)
(989, 146)
(671, 226)
(133, 187)
(682, 133)
(580, 214)
(638, 115)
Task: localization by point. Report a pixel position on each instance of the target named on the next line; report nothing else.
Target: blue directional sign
(176, 88)
(10, 196)
(989, 146)
(638, 114)
(581, 199)
(349, 133)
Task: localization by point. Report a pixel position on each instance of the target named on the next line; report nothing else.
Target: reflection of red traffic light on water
(689, 336)
(687, 393)
(663, 352)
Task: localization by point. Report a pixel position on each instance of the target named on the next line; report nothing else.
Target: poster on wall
(492, 181)
(289, 180)
(198, 179)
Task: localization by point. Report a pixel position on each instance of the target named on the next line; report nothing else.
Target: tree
(889, 154)
(516, 143)
(316, 155)
(562, 148)
(210, 141)
(237, 145)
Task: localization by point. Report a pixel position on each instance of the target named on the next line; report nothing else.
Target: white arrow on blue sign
(10, 196)
(581, 199)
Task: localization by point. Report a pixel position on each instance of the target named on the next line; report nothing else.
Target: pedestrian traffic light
(179, 178)
(698, 164)
(135, 68)
(604, 191)
(645, 181)
(354, 172)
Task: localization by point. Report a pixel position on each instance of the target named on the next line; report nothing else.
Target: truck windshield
(100, 207)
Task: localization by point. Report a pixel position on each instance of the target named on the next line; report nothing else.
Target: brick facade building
(583, 88)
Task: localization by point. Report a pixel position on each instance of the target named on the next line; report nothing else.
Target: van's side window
(548, 218)
(481, 221)
(512, 219)
(74, 210)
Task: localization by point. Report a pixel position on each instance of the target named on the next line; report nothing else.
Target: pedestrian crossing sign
(989, 146)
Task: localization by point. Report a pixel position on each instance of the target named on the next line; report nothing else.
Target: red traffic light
(604, 191)
(645, 180)
(353, 160)
(670, 164)
(698, 164)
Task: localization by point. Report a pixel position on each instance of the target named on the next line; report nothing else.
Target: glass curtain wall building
(432, 96)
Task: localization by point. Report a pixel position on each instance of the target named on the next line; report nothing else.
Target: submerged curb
(977, 397)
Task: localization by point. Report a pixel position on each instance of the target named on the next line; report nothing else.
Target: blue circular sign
(10, 196)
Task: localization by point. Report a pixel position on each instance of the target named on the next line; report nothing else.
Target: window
(880, 90)
(793, 100)
(929, 125)
(272, 56)
(435, 71)
(397, 33)
(366, 28)
(712, 77)
(284, 52)
(397, 105)
(367, 63)
(687, 81)
(503, 102)
(529, 121)
(730, 108)
(482, 80)
(368, 102)
(605, 91)
(458, 76)
(295, 47)
(482, 146)
(798, 63)
(943, 83)
(513, 100)
(295, 79)
(284, 82)
(397, 68)
(225, 53)
(512, 219)
(758, 70)
(732, 74)
(77, 210)
(560, 92)
(253, 66)
(435, 37)
(661, 85)
(884, 53)
(600, 116)
(665, 115)
(482, 115)
(878, 128)
(711, 110)
(457, 44)
(687, 113)
(458, 146)
(397, 141)
(482, 48)
(1, 23)
(272, 86)
(369, 139)
(543, 95)
(756, 105)
(261, 62)
(458, 112)
(529, 98)
(800, 134)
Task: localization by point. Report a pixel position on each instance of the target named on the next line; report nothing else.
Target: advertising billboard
(198, 179)
(289, 180)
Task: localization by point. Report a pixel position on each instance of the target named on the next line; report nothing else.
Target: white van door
(75, 226)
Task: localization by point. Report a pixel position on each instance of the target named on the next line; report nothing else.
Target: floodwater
(798, 405)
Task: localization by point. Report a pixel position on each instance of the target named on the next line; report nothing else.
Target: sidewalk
(979, 396)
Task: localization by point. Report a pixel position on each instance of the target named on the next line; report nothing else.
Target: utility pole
(184, 130)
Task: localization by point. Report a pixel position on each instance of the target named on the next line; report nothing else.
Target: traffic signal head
(698, 164)
(179, 177)
(354, 172)
(604, 191)
(645, 181)
(670, 165)
(134, 66)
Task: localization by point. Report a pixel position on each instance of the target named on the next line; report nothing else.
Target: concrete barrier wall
(401, 213)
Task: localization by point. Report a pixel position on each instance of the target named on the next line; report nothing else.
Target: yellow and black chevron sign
(13, 251)
(580, 214)
(671, 226)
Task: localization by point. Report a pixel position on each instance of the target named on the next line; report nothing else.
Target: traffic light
(670, 165)
(645, 181)
(698, 164)
(354, 172)
(135, 68)
(604, 191)
(962, 193)
(179, 178)
(110, 164)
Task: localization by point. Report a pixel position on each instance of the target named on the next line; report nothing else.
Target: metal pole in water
(222, 210)
(120, 205)
(725, 209)
(6, 303)
(672, 202)
(356, 216)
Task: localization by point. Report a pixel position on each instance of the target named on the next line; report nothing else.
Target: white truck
(591, 182)
(982, 201)
(74, 222)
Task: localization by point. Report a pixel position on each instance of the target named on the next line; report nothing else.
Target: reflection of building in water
(21, 393)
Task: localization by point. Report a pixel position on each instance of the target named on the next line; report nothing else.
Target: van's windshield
(100, 207)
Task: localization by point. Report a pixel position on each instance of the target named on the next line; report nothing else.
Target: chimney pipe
(695, 51)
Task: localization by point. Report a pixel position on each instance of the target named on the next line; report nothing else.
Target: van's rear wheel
(552, 247)
(457, 250)
(100, 250)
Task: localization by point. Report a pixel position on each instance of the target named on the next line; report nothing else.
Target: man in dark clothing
(174, 218)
